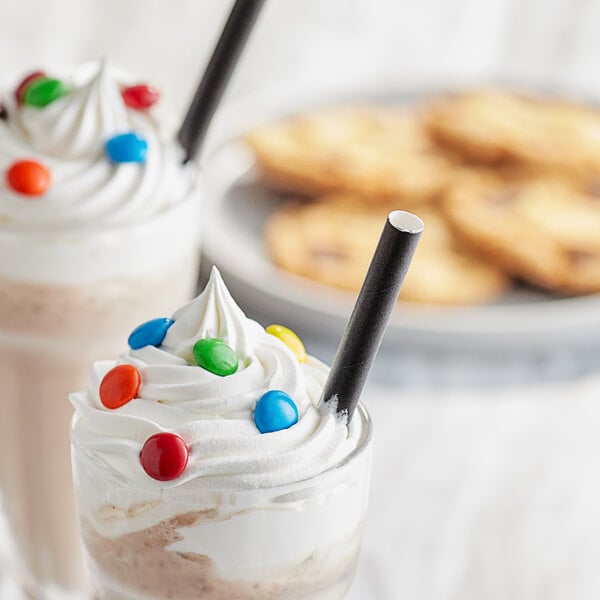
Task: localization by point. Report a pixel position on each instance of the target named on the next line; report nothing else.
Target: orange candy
(28, 177)
(119, 386)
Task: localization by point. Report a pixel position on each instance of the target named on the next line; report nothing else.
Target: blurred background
(546, 41)
(486, 471)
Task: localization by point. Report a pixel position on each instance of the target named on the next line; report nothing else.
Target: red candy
(119, 386)
(140, 97)
(164, 456)
(28, 177)
(23, 85)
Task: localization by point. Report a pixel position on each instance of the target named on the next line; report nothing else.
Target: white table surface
(484, 494)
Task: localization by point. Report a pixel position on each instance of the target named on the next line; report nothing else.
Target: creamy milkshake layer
(247, 452)
(81, 153)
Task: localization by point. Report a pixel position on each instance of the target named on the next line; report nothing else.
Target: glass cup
(67, 298)
(299, 541)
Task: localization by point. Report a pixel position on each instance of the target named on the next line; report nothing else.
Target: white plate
(237, 206)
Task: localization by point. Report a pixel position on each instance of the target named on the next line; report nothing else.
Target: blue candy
(150, 333)
(274, 411)
(127, 148)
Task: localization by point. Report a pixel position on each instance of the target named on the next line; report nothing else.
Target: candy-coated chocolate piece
(127, 148)
(3, 112)
(164, 456)
(43, 91)
(28, 177)
(140, 96)
(290, 339)
(150, 333)
(119, 386)
(275, 411)
(214, 355)
(25, 82)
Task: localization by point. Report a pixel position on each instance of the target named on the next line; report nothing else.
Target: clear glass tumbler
(67, 298)
(294, 542)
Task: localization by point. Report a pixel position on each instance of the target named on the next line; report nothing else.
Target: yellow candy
(290, 339)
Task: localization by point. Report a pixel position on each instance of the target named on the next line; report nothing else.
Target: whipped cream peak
(213, 414)
(213, 314)
(69, 135)
(76, 125)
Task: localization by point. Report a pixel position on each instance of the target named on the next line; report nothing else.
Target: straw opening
(405, 221)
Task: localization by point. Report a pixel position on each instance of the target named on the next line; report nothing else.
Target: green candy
(215, 356)
(43, 91)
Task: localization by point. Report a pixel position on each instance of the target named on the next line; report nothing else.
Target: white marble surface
(484, 494)
(489, 494)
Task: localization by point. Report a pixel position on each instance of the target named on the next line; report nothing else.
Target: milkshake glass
(246, 501)
(105, 244)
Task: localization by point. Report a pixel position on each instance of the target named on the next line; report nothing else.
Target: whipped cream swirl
(214, 414)
(68, 136)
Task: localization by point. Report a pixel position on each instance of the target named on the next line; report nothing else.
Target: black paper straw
(217, 74)
(372, 311)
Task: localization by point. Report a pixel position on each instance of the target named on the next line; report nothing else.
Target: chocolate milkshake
(98, 229)
(205, 466)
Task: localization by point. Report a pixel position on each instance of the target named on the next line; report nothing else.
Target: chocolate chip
(579, 257)
(3, 112)
(594, 189)
(504, 197)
